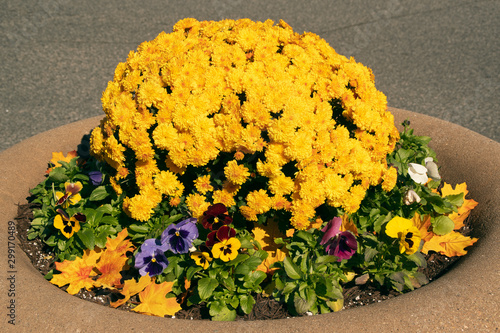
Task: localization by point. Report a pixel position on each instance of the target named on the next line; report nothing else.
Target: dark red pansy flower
(223, 233)
(215, 217)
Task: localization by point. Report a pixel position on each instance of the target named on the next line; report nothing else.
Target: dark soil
(265, 308)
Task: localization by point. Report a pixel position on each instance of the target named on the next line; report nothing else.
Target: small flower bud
(410, 197)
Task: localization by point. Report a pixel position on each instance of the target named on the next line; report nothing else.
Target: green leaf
(325, 259)
(108, 220)
(291, 269)
(456, 199)
(99, 193)
(419, 259)
(370, 253)
(87, 238)
(105, 209)
(301, 305)
(139, 228)
(49, 275)
(192, 270)
(289, 287)
(247, 302)
(442, 225)
(57, 175)
(206, 287)
(80, 176)
(222, 313)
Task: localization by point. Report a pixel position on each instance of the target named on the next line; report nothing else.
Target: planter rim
(465, 297)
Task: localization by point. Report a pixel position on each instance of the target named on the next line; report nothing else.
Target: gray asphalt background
(440, 58)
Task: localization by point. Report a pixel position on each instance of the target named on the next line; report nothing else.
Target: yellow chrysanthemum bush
(248, 114)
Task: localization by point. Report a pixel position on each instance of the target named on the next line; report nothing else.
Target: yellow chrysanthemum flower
(236, 173)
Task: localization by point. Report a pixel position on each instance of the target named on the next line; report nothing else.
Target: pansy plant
(68, 225)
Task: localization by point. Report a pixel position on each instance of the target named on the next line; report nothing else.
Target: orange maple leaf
(132, 287)
(77, 273)
(110, 265)
(119, 244)
(464, 210)
(154, 303)
(454, 244)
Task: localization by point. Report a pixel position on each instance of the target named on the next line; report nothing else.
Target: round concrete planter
(465, 298)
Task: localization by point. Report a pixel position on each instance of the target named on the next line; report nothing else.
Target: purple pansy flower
(179, 237)
(343, 244)
(95, 177)
(151, 258)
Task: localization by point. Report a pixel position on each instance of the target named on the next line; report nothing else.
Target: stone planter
(467, 297)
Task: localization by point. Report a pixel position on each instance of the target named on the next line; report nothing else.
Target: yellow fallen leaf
(454, 244)
(154, 303)
(132, 287)
(464, 210)
(59, 156)
(433, 244)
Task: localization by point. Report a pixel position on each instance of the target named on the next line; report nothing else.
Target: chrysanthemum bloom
(202, 259)
(179, 237)
(151, 257)
(68, 225)
(406, 232)
(227, 90)
(215, 217)
(70, 195)
(343, 244)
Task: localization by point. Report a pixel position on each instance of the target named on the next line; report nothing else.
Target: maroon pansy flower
(215, 217)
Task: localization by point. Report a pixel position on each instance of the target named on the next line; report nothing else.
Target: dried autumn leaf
(464, 210)
(110, 265)
(77, 273)
(154, 303)
(348, 225)
(274, 256)
(119, 244)
(265, 235)
(132, 287)
(455, 243)
(59, 156)
(423, 224)
(433, 244)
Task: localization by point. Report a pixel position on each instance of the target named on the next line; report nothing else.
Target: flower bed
(240, 158)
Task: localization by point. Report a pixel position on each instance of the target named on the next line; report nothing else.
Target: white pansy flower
(432, 168)
(418, 173)
(410, 197)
